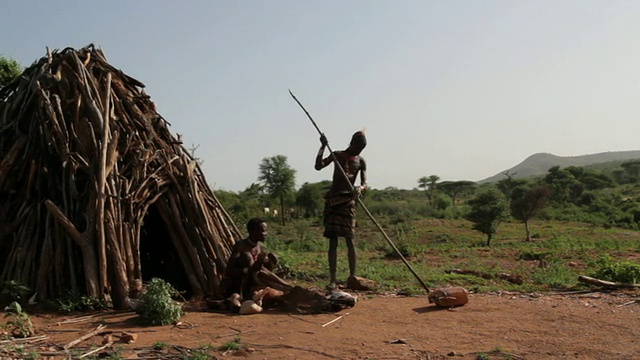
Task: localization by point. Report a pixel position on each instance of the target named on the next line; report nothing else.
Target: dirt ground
(491, 326)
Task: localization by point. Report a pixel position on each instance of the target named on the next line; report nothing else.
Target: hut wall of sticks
(96, 194)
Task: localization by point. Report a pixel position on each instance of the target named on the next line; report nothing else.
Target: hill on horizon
(540, 163)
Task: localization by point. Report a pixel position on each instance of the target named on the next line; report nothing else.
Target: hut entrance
(158, 255)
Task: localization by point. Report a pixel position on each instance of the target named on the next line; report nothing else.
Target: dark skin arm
(352, 164)
(363, 174)
(322, 163)
(242, 259)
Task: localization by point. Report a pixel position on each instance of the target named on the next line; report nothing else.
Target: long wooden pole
(102, 177)
(364, 207)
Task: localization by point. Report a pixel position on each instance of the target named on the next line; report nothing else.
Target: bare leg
(333, 261)
(351, 249)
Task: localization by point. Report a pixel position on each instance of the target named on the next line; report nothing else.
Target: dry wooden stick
(630, 302)
(27, 339)
(336, 319)
(75, 320)
(607, 284)
(96, 350)
(85, 337)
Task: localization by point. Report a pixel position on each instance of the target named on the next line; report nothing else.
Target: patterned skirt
(339, 215)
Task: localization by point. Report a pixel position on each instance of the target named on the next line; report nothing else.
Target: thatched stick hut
(96, 194)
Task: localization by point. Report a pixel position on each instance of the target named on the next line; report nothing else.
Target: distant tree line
(602, 198)
(571, 194)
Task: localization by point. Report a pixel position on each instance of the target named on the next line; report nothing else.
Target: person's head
(358, 142)
(257, 229)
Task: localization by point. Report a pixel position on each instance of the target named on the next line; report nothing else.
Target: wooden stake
(336, 319)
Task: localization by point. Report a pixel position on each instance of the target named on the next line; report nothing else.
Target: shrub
(554, 275)
(72, 300)
(158, 307)
(618, 271)
(19, 324)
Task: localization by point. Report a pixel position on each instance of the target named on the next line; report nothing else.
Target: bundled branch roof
(93, 186)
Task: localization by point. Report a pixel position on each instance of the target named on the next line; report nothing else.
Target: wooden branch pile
(83, 157)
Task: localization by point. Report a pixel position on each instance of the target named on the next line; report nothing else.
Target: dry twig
(606, 284)
(96, 350)
(334, 320)
(85, 337)
(635, 301)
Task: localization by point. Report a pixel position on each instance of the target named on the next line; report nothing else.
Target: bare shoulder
(240, 245)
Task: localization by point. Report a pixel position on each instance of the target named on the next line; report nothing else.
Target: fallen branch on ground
(27, 340)
(336, 319)
(85, 337)
(606, 284)
(635, 301)
(515, 279)
(96, 350)
(75, 320)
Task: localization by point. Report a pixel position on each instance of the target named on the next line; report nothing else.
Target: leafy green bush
(158, 307)
(618, 271)
(402, 216)
(555, 275)
(19, 324)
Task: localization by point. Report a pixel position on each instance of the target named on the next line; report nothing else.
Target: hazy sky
(458, 89)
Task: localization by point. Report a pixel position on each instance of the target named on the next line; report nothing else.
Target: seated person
(249, 267)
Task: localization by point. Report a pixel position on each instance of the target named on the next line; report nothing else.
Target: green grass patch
(433, 246)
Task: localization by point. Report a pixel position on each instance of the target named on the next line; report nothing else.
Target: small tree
(455, 188)
(310, 197)
(507, 185)
(565, 188)
(430, 185)
(279, 179)
(631, 170)
(488, 210)
(9, 70)
(526, 203)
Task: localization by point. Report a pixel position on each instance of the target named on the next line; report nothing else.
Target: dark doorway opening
(158, 256)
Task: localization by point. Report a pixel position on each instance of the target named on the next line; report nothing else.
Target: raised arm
(320, 162)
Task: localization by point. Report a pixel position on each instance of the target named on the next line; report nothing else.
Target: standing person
(340, 202)
(249, 265)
